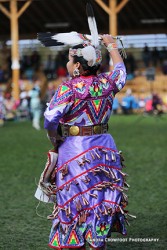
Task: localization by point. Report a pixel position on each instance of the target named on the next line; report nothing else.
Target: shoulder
(63, 93)
(65, 87)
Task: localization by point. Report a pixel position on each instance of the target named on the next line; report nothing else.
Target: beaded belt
(83, 130)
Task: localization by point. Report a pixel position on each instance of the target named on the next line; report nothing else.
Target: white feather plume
(71, 38)
(92, 25)
(89, 54)
(93, 31)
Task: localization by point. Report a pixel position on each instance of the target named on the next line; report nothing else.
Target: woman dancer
(89, 182)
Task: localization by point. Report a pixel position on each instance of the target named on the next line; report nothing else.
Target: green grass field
(143, 141)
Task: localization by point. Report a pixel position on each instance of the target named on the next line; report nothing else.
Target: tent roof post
(112, 10)
(13, 14)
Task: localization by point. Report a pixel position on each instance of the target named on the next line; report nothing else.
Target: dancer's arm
(112, 48)
(117, 77)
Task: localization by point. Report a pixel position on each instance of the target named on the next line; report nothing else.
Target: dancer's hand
(55, 139)
(106, 39)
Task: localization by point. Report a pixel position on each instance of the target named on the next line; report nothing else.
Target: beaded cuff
(111, 46)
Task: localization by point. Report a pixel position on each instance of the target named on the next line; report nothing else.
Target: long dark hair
(87, 70)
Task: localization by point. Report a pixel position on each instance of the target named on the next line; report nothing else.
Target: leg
(36, 119)
(80, 248)
(98, 248)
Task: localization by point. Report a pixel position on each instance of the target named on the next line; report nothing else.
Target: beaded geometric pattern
(87, 99)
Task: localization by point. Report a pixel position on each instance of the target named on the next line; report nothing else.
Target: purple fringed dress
(90, 197)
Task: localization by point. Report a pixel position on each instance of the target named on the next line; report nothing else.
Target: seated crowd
(31, 102)
(54, 68)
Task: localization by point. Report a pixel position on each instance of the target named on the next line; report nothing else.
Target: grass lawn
(143, 141)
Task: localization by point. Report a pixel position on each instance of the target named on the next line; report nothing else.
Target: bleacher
(141, 87)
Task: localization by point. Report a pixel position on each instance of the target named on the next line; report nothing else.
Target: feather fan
(92, 25)
(49, 39)
(72, 38)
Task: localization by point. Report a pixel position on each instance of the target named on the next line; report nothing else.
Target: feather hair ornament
(89, 54)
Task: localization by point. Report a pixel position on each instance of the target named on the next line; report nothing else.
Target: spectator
(24, 105)
(130, 66)
(146, 56)
(49, 67)
(35, 60)
(61, 60)
(1, 75)
(163, 55)
(115, 105)
(156, 104)
(50, 91)
(164, 67)
(128, 103)
(61, 71)
(35, 105)
(155, 56)
(25, 63)
(2, 109)
(141, 104)
(148, 106)
(10, 107)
